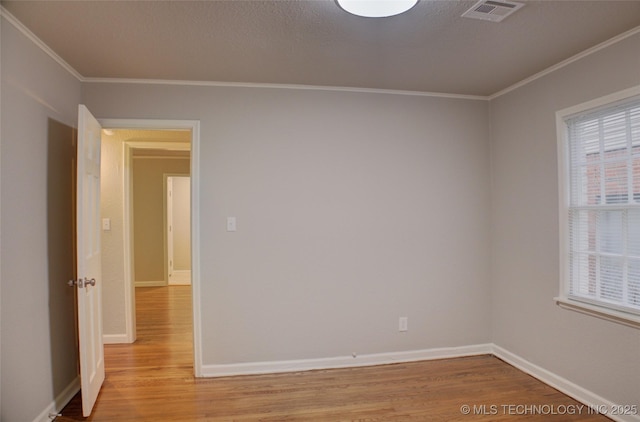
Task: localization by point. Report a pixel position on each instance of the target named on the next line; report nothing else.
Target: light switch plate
(403, 324)
(231, 224)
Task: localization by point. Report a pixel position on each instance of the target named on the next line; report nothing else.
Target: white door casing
(89, 271)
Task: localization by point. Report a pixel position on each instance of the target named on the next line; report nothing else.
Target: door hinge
(78, 282)
(82, 282)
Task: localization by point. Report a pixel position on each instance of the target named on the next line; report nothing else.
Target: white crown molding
(38, 42)
(284, 86)
(566, 62)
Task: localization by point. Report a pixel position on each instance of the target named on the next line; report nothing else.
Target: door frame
(153, 124)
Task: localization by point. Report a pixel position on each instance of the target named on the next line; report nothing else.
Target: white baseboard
(569, 388)
(253, 368)
(116, 339)
(60, 401)
(180, 278)
(160, 283)
(584, 396)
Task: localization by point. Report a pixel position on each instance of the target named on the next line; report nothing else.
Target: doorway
(152, 204)
(141, 145)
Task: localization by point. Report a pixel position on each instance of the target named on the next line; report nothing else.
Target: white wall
(525, 319)
(113, 259)
(353, 209)
(149, 219)
(39, 355)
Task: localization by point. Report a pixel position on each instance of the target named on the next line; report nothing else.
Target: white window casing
(599, 196)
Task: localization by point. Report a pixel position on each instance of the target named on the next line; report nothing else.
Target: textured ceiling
(429, 49)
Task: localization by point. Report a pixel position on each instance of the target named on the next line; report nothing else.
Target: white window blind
(604, 206)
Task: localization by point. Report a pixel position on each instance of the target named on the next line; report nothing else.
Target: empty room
(422, 211)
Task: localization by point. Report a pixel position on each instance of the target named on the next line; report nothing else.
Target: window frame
(564, 299)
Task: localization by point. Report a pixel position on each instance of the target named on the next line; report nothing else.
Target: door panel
(89, 283)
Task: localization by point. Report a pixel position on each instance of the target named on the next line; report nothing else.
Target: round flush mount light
(376, 8)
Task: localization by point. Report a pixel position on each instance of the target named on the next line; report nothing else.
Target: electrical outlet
(403, 324)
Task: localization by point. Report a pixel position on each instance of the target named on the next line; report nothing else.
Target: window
(599, 145)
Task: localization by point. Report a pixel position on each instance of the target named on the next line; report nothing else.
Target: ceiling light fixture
(376, 8)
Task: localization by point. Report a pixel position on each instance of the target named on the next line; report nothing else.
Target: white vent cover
(492, 10)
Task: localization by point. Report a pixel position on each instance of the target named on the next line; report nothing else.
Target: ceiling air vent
(492, 10)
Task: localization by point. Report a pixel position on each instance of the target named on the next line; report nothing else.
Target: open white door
(89, 259)
(178, 203)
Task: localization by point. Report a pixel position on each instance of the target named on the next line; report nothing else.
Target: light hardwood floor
(152, 380)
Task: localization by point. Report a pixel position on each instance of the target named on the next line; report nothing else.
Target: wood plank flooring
(152, 380)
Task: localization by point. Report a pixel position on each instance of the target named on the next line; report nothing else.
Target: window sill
(619, 317)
